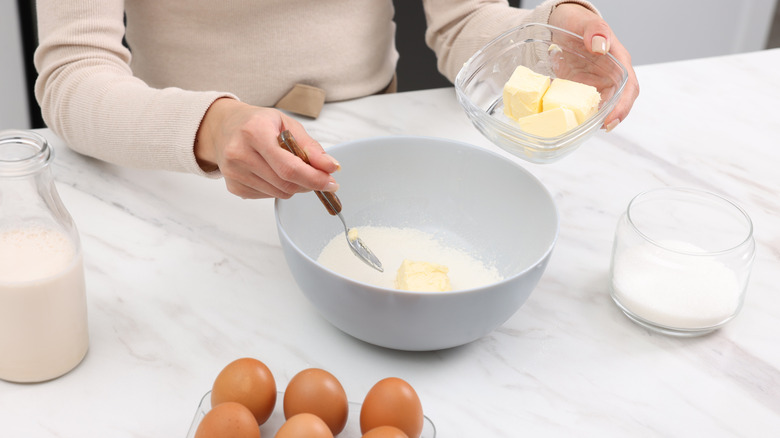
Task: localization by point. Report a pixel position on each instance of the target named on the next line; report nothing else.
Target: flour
(673, 289)
(392, 246)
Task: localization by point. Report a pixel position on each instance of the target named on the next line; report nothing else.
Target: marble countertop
(184, 277)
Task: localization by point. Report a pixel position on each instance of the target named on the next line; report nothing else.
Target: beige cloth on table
(142, 107)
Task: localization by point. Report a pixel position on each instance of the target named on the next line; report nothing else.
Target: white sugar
(673, 289)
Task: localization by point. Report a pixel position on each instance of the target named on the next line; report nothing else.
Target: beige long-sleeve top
(142, 107)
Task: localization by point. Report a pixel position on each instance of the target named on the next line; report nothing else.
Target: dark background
(30, 42)
(416, 66)
(417, 63)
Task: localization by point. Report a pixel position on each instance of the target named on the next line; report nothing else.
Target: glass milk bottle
(43, 308)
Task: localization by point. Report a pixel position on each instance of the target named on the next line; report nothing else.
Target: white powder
(392, 246)
(675, 290)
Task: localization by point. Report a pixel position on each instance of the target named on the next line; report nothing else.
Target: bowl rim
(354, 143)
(543, 143)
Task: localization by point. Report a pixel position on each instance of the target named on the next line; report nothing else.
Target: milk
(43, 309)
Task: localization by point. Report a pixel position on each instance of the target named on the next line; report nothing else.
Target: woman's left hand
(599, 39)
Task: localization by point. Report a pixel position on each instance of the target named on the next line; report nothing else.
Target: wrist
(204, 147)
(563, 12)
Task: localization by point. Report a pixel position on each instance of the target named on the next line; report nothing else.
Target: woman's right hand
(241, 141)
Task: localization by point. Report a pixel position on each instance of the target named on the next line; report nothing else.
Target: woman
(195, 91)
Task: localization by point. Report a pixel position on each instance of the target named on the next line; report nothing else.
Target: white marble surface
(183, 278)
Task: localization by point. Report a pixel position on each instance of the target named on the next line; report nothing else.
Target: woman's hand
(241, 141)
(599, 39)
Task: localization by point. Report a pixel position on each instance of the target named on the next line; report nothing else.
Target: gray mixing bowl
(467, 196)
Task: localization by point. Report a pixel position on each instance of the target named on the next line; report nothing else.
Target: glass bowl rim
(697, 192)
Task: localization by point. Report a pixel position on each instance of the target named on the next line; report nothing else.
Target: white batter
(392, 246)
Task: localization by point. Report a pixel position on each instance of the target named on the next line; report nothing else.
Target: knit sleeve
(90, 98)
(458, 28)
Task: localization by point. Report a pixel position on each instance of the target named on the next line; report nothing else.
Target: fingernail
(612, 125)
(332, 186)
(599, 44)
(338, 165)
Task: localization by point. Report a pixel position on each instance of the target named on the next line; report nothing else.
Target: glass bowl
(547, 50)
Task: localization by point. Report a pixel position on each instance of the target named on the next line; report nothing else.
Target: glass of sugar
(681, 260)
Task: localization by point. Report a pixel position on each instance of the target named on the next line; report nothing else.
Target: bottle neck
(23, 153)
(28, 196)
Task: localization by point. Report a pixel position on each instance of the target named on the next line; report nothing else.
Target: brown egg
(304, 425)
(249, 382)
(392, 402)
(317, 392)
(228, 420)
(385, 432)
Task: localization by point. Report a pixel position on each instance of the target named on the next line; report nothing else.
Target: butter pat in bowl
(548, 108)
(420, 276)
(543, 51)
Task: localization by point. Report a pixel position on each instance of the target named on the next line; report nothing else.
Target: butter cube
(550, 123)
(523, 92)
(422, 277)
(582, 99)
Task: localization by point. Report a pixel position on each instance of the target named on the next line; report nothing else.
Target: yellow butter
(422, 277)
(522, 94)
(582, 99)
(551, 123)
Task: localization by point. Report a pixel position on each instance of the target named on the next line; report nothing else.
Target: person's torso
(259, 49)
